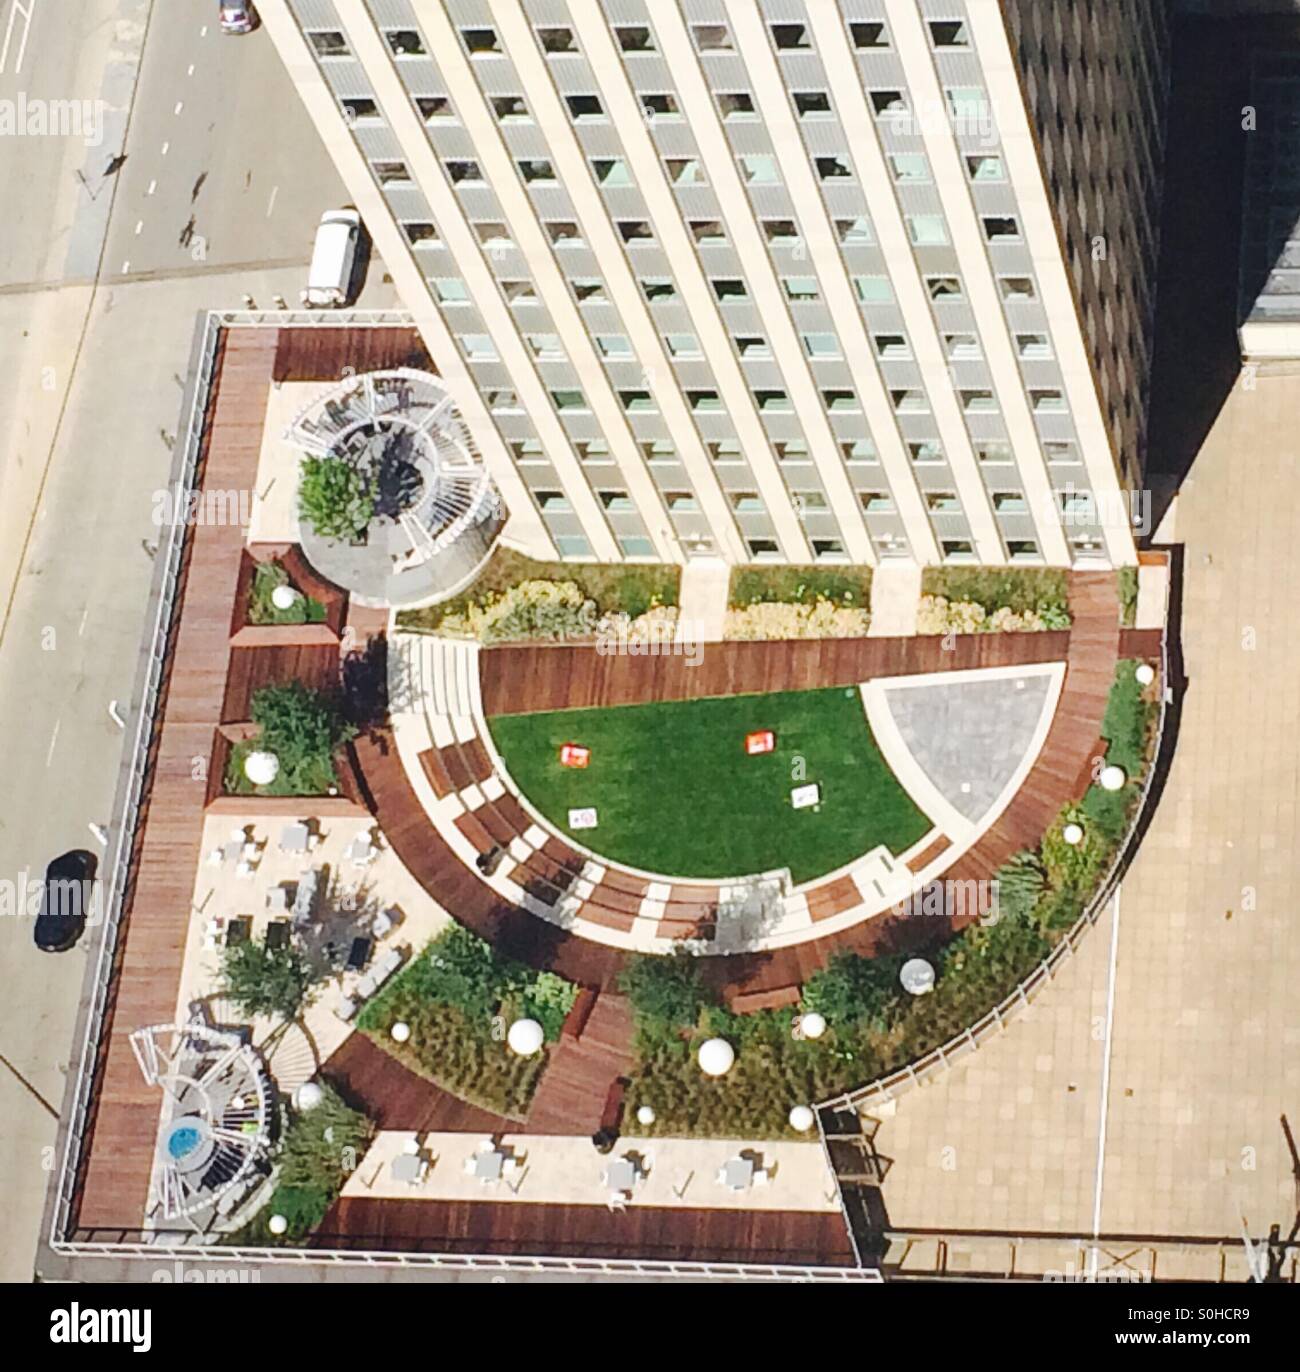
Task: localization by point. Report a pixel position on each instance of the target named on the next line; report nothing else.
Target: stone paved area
(969, 736)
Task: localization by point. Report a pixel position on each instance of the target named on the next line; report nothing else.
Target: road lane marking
(153, 186)
(126, 266)
(54, 738)
(165, 146)
(85, 615)
(180, 105)
(190, 71)
(270, 204)
(26, 11)
(138, 226)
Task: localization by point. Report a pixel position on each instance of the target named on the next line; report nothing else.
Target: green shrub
(334, 497)
(262, 610)
(1107, 812)
(1021, 881)
(265, 981)
(758, 585)
(1127, 586)
(851, 988)
(666, 993)
(323, 1146)
(302, 728)
(1043, 590)
(1127, 721)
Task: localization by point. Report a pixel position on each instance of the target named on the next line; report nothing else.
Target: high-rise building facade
(797, 280)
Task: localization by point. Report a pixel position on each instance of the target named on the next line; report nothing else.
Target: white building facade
(771, 280)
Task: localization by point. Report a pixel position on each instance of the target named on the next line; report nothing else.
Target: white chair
(411, 1146)
(511, 1167)
(721, 1178)
(485, 1146)
(615, 1203)
(470, 1167)
(250, 852)
(761, 1176)
(244, 870)
(238, 835)
(215, 857)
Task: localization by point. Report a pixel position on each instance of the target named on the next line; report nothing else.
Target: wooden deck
(527, 679)
(587, 1231)
(320, 354)
(593, 1053)
(115, 1179)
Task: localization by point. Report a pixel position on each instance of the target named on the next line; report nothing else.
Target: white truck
(330, 274)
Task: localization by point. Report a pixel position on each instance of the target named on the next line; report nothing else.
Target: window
(910, 166)
(759, 169)
(434, 107)
(1001, 228)
(795, 452)
(993, 451)
(860, 450)
(658, 288)
(876, 502)
(704, 402)
(854, 232)
(585, 108)
(949, 33)
(708, 233)
(978, 402)
(451, 291)
(680, 502)
(684, 171)
(833, 169)
(1047, 402)
(511, 109)
(635, 231)
(909, 400)
(1010, 502)
(942, 502)
(481, 42)
(564, 233)
(868, 34)
(791, 38)
(569, 400)
(752, 346)
(528, 450)
(827, 548)
(821, 345)
(984, 167)
(594, 451)
(801, 288)
(1033, 346)
(726, 451)
(745, 502)
(841, 402)
(781, 232)
(1061, 452)
(774, 402)
(888, 102)
(556, 41)
(589, 290)
(572, 545)
(660, 106)
(961, 347)
(329, 43)
(968, 106)
(406, 42)
(873, 290)
(465, 173)
(478, 347)
(928, 450)
(359, 109)
(682, 344)
(634, 38)
(519, 292)
(553, 502)
(809, 502)
(892, 346)
(659, 450)
(944, 287)
(637, 402)
(957, 550)
(611, 171)
(492, 234)
(812, 104)
(419, 231)
(1022, 549)
(729, 288)
(615, 500)
(763, 549)
(736, 105)
(1017, 290)
(636, 545)
(536, 171)
(926, 230)
(502, 402)
(711, 37)
(546, 347)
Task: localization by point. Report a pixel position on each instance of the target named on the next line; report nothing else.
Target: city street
(183, 205)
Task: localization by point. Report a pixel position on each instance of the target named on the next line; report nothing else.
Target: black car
(66, 901)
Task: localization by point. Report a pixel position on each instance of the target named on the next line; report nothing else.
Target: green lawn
(676, 793)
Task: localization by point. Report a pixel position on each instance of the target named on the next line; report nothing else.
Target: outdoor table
(232, 850)
(293, 838)
(487, 1166)
(739, 1173)
(406, 1167)
(620, 1175)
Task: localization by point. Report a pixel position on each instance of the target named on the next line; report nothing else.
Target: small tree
(266, 981)
(667, 992)
(852, 988)
(302, 728)
(334, 497)
(323, 1145)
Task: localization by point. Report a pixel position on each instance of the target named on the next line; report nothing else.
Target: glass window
(611, 171)
(752, 346)
(589, 290)
(328, 43)
(774, 402)
(564, 233)
(841, 402)
(405, 42)
(434, 107)
(682, 344)
(1001, 228)
(572, 545)
(868, 34)
(450, 290)
(926, 230)
(892, 346)
(511, 109)
(736, 105)
(463, 172)
(833, 168)
(910, 166)
(961, 346)
(493, 234)
(791, 38)
(949, 33)
(860, 450)
(802, 288)
(478, 347)
(546, 347)
(704, 402)
(613, 345)
(556, 40)
(726, 451)
(359, 109)
(993, 451)
(928, 450)
(552, 501)
(708, 232)
(759, 169)
(1017, 289)
(635, 231)
(873, 290)
(684, 171)
(569, 400)
(811, 104)
(660, 107)
(854, 232)
(616, 500)
(481, 42)
(637, 402)
(942, 502)
(636, 545)
(821, 344)
(985, 167)
(711, 37)
(781, 232)
(585, 108)
(634, 38)
(729, 288)
(658, 288)
(420, 231)
(944, 287)
(537, 171)
(978, 402)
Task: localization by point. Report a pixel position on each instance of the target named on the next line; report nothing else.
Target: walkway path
(895, 595)
(702, 599)
(593, 1052)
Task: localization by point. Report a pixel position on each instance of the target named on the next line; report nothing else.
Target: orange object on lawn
(574, 755)
(761, 741)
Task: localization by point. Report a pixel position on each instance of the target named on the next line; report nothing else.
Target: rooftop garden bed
(1127, 587)
(459, 998)
(773, 602)
(303, 729)
(263, 610)
(676, 792)
(993, 600)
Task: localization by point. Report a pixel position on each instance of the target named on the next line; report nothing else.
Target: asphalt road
(98, 298)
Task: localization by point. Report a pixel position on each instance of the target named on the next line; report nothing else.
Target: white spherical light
(917, 976)
(1145, 673)
(812, 1025)
(1072, 834)
(277, 1224)
(716, 1057)
(309, 1095)
(1112, 778)
(802, 1118)
(645, 1115)
(525, 1037)
(400, 1032)
(284, 597)
(261, 768)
